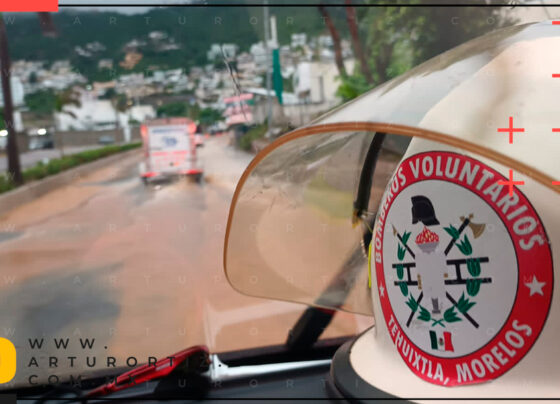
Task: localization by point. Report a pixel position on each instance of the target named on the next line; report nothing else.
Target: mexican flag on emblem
(441, 341)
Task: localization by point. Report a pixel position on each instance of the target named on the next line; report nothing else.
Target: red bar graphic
(28, 5)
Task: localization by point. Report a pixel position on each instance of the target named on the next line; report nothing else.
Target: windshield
(125, 133)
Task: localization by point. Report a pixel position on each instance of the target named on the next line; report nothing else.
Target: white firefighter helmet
(466, 232)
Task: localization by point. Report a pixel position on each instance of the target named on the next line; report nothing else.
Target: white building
(258, 51)
(316, 82)
(298, 40)
(141, 113)
(92, 114)
(157, 35)
(325, 41)
(18, 93)
(229, 49)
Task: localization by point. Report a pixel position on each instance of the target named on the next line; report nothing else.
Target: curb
(26, 193)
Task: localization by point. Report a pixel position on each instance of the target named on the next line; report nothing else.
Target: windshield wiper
(311, 324)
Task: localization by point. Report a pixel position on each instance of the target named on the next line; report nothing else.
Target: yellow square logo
(7, 360)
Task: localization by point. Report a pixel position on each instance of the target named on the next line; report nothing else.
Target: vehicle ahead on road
(40, 139)
(106, 140)
(410, 206)
(170, 149)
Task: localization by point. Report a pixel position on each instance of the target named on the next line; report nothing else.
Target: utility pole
(268, 66)
(14, 168)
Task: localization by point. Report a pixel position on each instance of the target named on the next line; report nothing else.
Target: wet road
(137, 268)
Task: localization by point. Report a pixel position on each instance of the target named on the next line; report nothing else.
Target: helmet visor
(304, 212)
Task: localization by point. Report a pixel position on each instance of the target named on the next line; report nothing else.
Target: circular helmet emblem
(464, 269)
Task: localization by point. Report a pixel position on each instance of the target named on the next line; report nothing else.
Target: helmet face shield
(292, 234)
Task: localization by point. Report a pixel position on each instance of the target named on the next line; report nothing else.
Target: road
(138, 269)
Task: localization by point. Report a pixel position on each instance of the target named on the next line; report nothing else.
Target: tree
(67, 97)
(47, 28)
(209, 116)
(118, 101)
(398, 38)
(41, 102)
(14, 168)
(356, 43)
(336, 41)
(172, 109)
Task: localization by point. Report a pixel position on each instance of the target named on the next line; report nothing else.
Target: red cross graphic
(511, 130)
(511, 182)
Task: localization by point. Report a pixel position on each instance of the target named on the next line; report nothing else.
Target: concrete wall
(79, 138)
(85, 138)
(294, 115)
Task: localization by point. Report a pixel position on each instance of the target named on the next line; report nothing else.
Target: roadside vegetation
(55, 166)
(388, 41)
(246, 140)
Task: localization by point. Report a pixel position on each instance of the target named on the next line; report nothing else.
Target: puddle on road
(127, 173)
(9, 235)
(64, 305)
(49, 304)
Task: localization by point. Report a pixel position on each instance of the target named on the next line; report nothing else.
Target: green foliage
(66, 97)
(55, 166)
(172, 109)
(6, 183)
(424, 314)
(352, 86)
(109, 94)
(406, 236)
(398, 38)
(288, 84)
(473, 265)
(465, 247)
(194, 30)
(450, 315)
(41, 102)
(404, 288)
(257, 132)
(473, 286)
(452, 231)
(401, 251)
(412, 303)
(464, 304)
(400, 271)
(209, 116)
